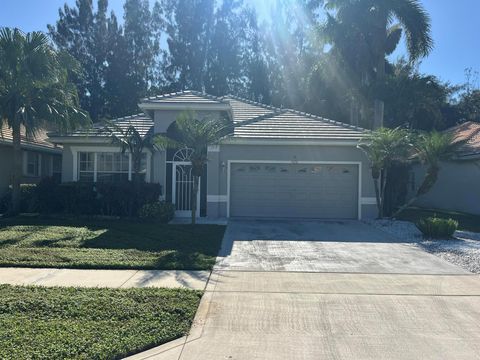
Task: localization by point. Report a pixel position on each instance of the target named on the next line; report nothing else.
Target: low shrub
(437, 228)
(160, 211)
(28, 199)
(48, 196)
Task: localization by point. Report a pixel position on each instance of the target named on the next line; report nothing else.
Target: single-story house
(41, 158)
(277, 163)
(458, 184)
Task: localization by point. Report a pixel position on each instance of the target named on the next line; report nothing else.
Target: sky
(455, 30)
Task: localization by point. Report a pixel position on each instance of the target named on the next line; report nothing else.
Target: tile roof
(40, 139)
(142, 123)
(291, 124)
(252, 119)
(243, 110)
(469, 132)
(184, 97)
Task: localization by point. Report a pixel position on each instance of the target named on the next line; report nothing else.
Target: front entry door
(183, 189)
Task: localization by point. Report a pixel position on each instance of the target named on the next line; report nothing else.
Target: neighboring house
(277, 163)
(41, 158)
(458, 184)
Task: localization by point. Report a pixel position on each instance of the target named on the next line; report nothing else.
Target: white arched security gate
(182, 183)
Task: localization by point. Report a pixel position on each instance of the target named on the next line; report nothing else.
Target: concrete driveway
(329, 290)
(329, 246)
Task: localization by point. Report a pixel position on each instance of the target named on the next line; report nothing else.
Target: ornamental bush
(437, 228)
(160, 211)
(28, 199)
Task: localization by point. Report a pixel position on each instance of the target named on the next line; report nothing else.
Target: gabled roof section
(258, 121)
(244, 110)
(39, 141)
(184, 100)
(469, 133)
(141, 122)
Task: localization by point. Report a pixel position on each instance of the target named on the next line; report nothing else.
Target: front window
(32, 167)
(112, 167)
(107, 167)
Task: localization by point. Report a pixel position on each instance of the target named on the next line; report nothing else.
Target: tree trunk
(377, 195)
(194, 198)
(383, 187)
(17, 168)
(428, 181)
(380, 72)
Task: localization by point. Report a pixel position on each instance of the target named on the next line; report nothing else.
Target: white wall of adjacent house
(457, 187)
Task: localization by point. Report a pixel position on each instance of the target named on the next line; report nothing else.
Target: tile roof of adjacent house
(39, 140)
(252, 119)
(468, 132)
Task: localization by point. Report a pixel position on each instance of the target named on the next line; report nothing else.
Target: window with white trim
(86, 166)
(107, 166)
(32, 167)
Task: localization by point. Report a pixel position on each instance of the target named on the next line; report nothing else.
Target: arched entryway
(182, 183)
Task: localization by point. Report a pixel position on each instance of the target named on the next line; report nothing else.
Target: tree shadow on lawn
(188, 240)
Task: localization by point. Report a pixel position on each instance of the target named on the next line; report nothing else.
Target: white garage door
(322, 191)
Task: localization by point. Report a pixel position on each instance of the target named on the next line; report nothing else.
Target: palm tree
(34, 91)
(382, 147)
(431, 149)
(195, 134)
(372, 29)
(129, 139)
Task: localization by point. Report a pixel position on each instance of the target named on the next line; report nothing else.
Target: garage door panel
(294, 190)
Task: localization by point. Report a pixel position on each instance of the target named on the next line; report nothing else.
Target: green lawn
(467, 222)
(74, 323)
(107, 244)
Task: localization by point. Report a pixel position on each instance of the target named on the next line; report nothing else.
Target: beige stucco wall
(457, 187)
(218, 168)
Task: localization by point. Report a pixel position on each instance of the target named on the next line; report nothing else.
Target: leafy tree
(223, 73)
(131, 141)
(415, 100)
(383, 147)
(83, 34)
(195, 134)
(188, 27)
(34, 91)
(430, 150)
(363, 32)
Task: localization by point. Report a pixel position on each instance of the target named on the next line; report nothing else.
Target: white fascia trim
(368, 201)
(184, 106)
(358, 163)
(213, 148)
(217, 198)
(79, 140)
(33, 147)
(238, 141)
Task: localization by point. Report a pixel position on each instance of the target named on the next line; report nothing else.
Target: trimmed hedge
(437, 228)
(111, 199)
(159, 211)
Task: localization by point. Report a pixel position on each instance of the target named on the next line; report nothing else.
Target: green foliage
(29, 201)
(91, 244)
(160, 211)
(82, 323)
(437, 228)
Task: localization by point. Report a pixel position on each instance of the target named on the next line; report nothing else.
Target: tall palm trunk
(17, 167)
(379, 105)
(194, 198)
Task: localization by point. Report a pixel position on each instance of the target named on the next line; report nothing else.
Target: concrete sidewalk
(310, 316)
(105, 278)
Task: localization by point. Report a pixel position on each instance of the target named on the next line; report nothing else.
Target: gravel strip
(463, 250)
